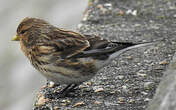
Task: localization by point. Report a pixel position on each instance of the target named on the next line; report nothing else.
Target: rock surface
(165, 97)
(130, 81)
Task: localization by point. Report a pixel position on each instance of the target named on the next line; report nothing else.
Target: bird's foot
(66, 91)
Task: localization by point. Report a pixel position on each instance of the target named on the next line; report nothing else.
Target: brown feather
(62, 54)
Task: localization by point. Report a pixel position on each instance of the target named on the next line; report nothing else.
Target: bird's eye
(23, 31)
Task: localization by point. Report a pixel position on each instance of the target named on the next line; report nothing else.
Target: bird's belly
(68, 72)
(62, 79)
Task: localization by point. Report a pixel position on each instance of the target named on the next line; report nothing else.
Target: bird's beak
(15, 38)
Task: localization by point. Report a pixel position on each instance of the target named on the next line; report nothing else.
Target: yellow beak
(15, 38)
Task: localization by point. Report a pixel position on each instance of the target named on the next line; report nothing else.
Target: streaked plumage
(66, 57)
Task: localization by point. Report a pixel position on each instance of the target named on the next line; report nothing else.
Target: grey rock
(165, 97)
(128, 21)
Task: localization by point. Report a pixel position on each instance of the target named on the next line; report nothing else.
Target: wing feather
(68, 44)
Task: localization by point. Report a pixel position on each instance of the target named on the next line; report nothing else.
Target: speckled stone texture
(130, 81)
(165, 97)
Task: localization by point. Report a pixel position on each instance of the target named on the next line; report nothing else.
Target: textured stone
(165, 97)
(128, 21)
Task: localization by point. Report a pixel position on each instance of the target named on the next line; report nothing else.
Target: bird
(66, 57)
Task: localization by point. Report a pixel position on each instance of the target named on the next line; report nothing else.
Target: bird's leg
(47, 82)
(66, 90)
(72, 88)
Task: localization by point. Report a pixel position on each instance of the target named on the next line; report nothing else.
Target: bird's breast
(24, 48)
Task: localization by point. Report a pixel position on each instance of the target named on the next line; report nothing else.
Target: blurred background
(19, 81)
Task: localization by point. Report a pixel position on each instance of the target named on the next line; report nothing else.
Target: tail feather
(127, 47)
(117, 46)
(112, 50)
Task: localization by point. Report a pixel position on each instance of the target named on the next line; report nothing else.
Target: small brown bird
(66, 57)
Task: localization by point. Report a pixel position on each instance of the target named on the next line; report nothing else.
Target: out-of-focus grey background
(19, 81)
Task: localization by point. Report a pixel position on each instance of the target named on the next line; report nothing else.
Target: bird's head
(30, 30)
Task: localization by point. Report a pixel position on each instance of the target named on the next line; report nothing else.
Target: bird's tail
(123, 47)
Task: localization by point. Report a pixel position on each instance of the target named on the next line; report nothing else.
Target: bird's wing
(101, 48)
(68, 44)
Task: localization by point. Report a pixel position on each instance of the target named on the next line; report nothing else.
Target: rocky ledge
(140, 79)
